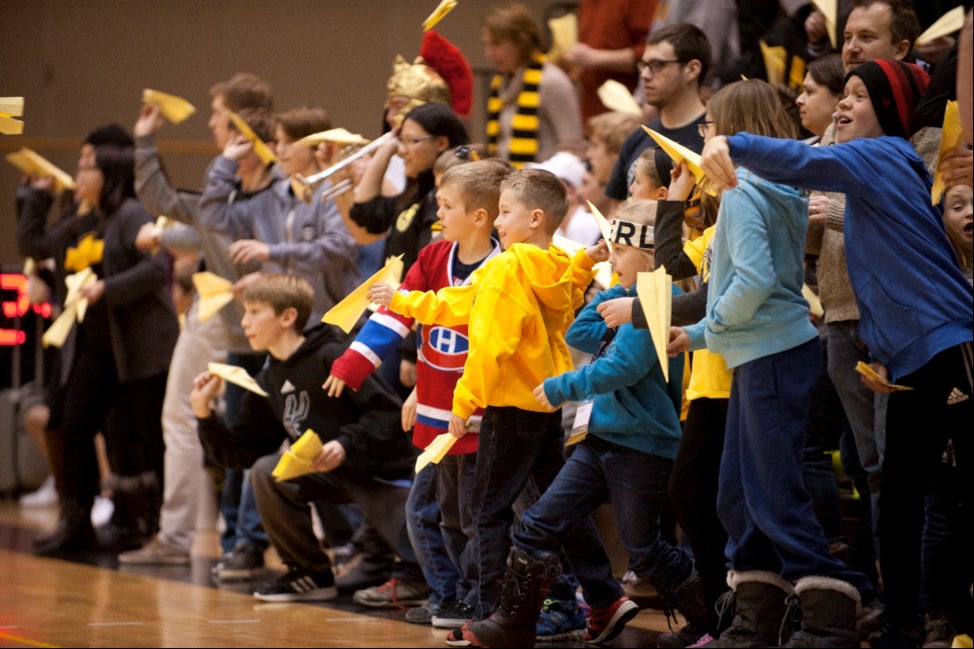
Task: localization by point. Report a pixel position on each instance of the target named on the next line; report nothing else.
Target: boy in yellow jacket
(518, 307)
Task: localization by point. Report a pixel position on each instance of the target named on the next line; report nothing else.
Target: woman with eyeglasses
(406, 220)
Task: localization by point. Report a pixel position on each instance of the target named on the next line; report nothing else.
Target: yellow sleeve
(448, 307)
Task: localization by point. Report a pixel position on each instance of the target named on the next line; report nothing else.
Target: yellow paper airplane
(347, 312)
(604, 226)
(162, 222)
(436, 450)
(442, 9)
(830, 10)
(947, 24)
(260, 148)
(215, 292)
(74, 307)
(297, 460)
(36, 165)
(564, 34)
(615, 96)
(334, 135)
(175, 109)
(814, 303)
(655, 291)
(951, 137)
(774, 62)
(237, 376)
(678, 153)
(865, 370)
(11, 107)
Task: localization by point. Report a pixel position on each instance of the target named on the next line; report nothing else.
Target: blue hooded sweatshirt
(755, 306)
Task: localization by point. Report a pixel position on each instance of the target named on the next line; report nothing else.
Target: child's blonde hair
(752, 106)
(479, 183)
(612, 128)
(282, 291)
(540, 190)
(646, 162)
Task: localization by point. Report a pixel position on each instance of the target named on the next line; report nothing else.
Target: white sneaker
(101, 511)
(44, 496)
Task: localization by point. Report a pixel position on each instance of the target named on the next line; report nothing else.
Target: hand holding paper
(347, 312)
(33, 164)
(237, 376)
(175, 109)
(655, 291)
(260, 148)
(951, 137)
(679, 153)
(297, 460)
(436, 450)
(75, 305)
(872, 375)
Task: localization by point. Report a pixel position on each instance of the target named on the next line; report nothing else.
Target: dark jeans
(596, 472)
(919, 422)
(693, 494)
(515, 445)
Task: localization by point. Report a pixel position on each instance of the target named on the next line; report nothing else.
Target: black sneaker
(299, 585)
(243, 562)
(453, 617)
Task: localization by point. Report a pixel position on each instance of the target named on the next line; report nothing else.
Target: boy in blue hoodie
(916, 305)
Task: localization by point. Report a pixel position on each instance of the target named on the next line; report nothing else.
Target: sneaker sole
(317, 595)
(385, 603)
(237, 575)
(448, 623)
(625, 612)
(154, 561)
(574, 636)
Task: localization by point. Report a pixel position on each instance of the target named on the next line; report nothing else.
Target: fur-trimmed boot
(759, 607)
(829, 613)
(514, 620)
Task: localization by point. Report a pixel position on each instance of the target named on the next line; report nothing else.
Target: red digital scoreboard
(14, 305)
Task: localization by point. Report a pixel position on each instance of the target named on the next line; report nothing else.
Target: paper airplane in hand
(347, 312)
(36, 165)
(951, 137)
(237, 376)
(436, 450)
(215, 292)
(260, 148)
(74, 307)
(175, 109)
(10, 108)
(678, 153)
(655, 291)
(297, 460)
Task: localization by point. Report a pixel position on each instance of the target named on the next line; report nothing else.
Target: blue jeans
(515, 445)
(864, 409)
(636, 483)
(423, 523)
(237, 504)
(454, 491)
(762, 501)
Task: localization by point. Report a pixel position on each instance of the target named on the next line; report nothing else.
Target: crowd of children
(496, 540)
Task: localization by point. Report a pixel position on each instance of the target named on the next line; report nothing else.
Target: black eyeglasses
(654, 65)
(702, 128)
(465, 152)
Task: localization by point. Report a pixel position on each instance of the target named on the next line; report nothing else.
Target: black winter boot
(828, 613)
(759, 601)
(72, 533)
(687, 598)
(513, 622)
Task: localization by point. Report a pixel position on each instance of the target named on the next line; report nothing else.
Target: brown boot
(513, 623)
(759, 601)
(829, 610)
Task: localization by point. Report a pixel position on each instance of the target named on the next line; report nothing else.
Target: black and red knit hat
(895, 89)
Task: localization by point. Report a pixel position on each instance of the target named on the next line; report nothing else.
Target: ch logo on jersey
(296, 408)
(444, 348)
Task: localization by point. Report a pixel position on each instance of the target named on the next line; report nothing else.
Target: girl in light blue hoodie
(758, 321)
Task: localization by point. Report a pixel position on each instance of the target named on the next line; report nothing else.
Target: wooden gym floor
(88, 600)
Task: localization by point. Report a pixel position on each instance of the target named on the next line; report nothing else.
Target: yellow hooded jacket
(518, 307)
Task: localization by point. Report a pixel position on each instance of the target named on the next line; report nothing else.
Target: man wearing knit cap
(916, 320)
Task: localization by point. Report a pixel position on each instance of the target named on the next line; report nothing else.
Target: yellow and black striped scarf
(523, 146)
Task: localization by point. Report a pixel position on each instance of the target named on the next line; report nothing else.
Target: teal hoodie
(755, 306)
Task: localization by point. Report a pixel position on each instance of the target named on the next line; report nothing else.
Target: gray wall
(81, 64)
